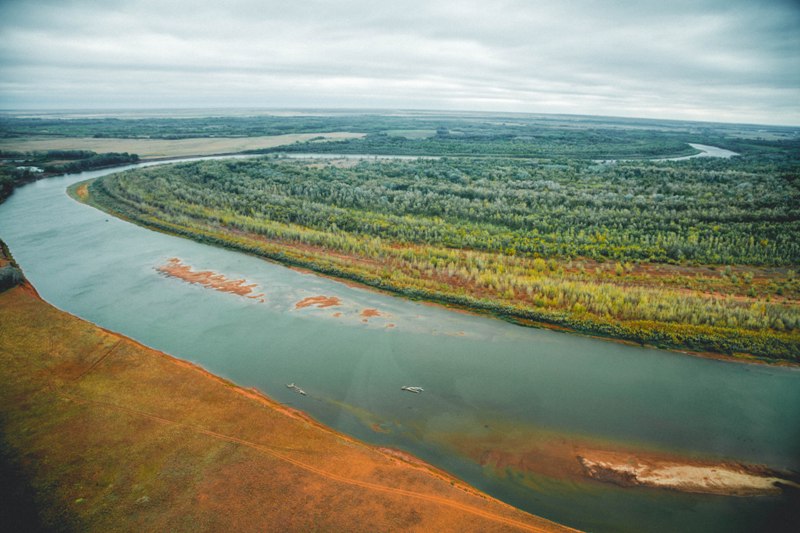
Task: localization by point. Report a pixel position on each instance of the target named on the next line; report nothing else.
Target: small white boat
(415, 390)
(295, 388)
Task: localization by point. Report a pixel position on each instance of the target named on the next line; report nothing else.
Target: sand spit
(321, 302)
(578, 459)
(731, 479)
(175, 268)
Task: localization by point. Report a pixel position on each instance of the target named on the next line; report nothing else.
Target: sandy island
(177, 269)
(321, 302)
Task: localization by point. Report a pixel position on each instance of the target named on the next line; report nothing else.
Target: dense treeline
(697, 211)
(429, 133)
(590, 144)
(264, 124)
(565, 243)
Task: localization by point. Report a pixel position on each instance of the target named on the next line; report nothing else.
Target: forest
(698, 254)
(426, 133)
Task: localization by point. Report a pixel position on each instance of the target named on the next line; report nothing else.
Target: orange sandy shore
(116, 436)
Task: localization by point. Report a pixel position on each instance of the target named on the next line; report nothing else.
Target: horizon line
(368, 110)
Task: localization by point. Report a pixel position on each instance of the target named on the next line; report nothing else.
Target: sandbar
(730, 479)
(321, 302)
(175, 268)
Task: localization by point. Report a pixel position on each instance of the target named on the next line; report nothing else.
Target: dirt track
(310, 468)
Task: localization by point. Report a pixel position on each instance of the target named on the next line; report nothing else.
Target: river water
(705, 151)
(488, 384)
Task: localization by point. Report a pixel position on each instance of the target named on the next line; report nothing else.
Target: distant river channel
(491, 389)
(705, 151)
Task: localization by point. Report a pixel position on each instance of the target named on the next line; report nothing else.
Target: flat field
(164, 148)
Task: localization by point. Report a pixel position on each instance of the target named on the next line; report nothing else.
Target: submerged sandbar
(321, 302)
(175, 268)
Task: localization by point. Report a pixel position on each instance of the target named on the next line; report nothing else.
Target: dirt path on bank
(310, 468)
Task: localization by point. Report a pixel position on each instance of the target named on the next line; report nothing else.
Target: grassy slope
(115, 436)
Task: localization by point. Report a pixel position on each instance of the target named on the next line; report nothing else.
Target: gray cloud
(733, 60)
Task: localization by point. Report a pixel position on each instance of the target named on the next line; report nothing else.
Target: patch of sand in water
(175, 268)
(321, 302)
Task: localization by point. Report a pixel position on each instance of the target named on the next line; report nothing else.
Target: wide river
(490, 386)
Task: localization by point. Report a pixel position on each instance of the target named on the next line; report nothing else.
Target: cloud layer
(732, 60)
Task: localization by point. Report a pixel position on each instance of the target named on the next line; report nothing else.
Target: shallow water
(479, 374)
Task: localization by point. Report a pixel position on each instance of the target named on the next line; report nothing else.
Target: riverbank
(389, 271)
(112, 435)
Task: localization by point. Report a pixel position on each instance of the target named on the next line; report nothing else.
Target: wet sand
(175, 268)
(730, 479)
(321, 302)
(580, 459)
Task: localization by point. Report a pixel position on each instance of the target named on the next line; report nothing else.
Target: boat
(295, 388)
(415, 390)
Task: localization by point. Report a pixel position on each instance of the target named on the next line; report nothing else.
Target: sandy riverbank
(113, 435)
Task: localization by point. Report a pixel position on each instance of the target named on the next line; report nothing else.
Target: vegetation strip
(374, 223)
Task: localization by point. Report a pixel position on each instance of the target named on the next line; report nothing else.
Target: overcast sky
(728, 60)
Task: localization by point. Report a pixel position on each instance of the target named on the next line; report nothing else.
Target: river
(489, 385)
(705, 151)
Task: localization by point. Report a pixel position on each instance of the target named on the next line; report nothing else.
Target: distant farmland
(160, 148)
